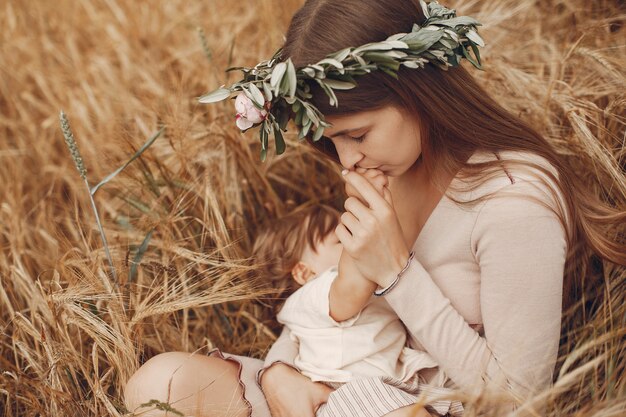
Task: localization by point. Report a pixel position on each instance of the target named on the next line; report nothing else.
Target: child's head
(299, 246)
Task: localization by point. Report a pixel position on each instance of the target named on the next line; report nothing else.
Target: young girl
(343, 332)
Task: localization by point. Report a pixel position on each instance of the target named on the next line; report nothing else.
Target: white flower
(247, 113)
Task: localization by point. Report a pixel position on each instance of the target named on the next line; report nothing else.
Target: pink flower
(247, 113)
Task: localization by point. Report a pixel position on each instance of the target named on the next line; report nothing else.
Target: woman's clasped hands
(369, 229)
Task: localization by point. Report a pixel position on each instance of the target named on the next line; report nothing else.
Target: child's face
(327, 253)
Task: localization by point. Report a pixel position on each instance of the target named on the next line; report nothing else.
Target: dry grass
(120, 70)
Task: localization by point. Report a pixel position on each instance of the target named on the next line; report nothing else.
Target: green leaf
(329, 92)
(248, 94)
(318, 133)
(311, 115)
(395, 37)
(236, 68)
(390, 72)
(277, 74)
(338, 84)
(345, 77)
(135, 156)
(341, 55)
(420, 41)
(257, 96)
(469, 57)
(298, 118)
(473, 36)
(263, 134)
(305, 117)
(332, 62)
(305, 129)
(309, 71)
(215, 96)
(293, 78)
(457, 21)
(280, 142)
(395, 65)
(381, 46)
(477, 53)
(283, 118)
(267, 91)
(283, 87)
(379, 57)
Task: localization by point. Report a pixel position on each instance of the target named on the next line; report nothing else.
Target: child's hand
(290, 394)
(375, 176)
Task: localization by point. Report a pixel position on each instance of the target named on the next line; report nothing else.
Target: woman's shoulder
(522, 184)
(512, 160)
(521, 189)
(518, 167)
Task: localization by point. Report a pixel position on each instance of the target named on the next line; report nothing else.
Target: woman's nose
(349, 155)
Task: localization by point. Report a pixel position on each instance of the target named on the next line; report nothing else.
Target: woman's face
(386, 139)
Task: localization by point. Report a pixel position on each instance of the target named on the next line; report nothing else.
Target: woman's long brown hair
(457, 117)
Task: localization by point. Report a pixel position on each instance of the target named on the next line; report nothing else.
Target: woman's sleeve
(284, 350)
(520, 247)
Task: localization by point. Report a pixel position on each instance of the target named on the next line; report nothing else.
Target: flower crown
(274, 91)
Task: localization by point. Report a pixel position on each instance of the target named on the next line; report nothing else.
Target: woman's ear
(301, 273)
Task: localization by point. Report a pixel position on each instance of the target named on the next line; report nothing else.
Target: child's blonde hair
(279, 245)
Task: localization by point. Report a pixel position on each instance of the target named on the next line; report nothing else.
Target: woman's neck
(416, 176)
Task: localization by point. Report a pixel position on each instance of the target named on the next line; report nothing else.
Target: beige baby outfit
(372, 343)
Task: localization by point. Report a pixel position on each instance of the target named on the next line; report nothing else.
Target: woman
(498, 222)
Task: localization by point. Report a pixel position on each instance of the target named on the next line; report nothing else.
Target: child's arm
(349, 291)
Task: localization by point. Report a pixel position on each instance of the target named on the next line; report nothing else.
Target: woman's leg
(197, 385)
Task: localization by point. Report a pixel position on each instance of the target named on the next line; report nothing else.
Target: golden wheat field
(180, 219)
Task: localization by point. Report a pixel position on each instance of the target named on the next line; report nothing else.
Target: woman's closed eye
(359, 139)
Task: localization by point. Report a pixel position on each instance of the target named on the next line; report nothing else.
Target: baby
(339, 337)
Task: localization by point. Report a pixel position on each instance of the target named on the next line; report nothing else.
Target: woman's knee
(193, 384)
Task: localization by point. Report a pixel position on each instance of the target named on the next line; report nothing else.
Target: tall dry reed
(181, 218)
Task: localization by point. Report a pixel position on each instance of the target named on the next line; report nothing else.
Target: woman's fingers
(344, 235)
(376, 177)
(365, 188)
(387, 196)
(357, 208)
(351, 222)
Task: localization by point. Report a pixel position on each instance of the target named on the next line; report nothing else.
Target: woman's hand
(375, 176)
(372, 235)
(290, 394)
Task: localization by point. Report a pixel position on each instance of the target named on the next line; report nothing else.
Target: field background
(71, 335)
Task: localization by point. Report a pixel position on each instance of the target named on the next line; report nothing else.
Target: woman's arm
(520, 247)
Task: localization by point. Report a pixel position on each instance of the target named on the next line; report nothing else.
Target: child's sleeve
(310, 306)
(284, 350)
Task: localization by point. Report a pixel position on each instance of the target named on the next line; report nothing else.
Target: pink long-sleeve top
(483, 295)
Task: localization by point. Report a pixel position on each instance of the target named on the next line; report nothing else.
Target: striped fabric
(364, 397)
(377, 396)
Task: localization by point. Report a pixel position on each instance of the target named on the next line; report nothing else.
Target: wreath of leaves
(443, 40)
